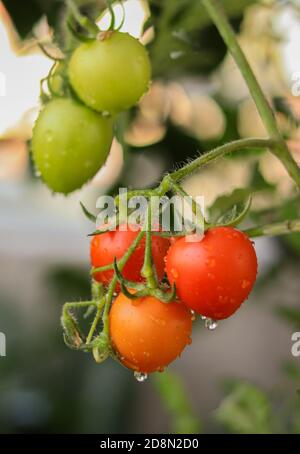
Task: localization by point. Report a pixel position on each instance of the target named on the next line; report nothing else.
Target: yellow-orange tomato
(148, 334)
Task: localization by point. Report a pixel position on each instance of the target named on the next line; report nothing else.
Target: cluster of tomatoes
(74, 131)
(212, 276)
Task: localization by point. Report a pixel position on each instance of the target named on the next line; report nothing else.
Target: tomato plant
(70, 143)
(213, 276)
(110, 245)
(148, 324)
(148, 334)
(110, 74)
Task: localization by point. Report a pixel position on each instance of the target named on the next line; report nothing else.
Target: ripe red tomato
(107, 246)
(215, 275)
(148, 334)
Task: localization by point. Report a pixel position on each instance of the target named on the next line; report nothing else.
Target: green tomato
(70, 143)
(112, 74)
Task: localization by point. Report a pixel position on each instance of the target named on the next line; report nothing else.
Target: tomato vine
(88, 93)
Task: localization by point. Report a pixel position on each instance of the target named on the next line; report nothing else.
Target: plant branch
(219, 18)
(277, 228)
(212, 155)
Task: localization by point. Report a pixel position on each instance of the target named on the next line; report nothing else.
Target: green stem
(197, 211)
(147, 269)
(277, 228)
(96, 320)
(99, 269)
(110, 293)
(78, 304)
(212, 155)
(82, 20)
(219, 18)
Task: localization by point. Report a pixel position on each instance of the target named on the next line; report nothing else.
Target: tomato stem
(274, 229)
(281, 151)
(212, 155)
(148, 270)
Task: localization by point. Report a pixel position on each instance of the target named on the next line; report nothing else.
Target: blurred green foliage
(174, 397)
(245, 410)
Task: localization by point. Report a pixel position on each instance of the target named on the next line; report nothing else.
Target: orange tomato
(148, 334)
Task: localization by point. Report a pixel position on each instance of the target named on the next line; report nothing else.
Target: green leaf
(230, 209)
(88, 214)
(174, 398)
(245, 410)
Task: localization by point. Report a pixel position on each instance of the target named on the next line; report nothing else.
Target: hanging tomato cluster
(73, 133)
(212, 277)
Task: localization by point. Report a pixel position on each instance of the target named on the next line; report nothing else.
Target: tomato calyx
(134, 290)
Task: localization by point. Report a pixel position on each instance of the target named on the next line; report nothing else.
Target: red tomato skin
(148, 334)
(107, 246)
(215, 275)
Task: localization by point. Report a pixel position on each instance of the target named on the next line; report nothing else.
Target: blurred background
(239, 378)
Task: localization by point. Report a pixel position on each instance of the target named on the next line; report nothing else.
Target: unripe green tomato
(112, 74)
(70, 143)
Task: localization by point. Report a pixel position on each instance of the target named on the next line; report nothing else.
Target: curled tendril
(113, 16)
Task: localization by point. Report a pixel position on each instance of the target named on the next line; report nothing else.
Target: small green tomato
(110, 74)
(70, 143)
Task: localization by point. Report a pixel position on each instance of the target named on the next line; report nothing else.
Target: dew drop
(140, 376)
(203, 317)
(48, 136)
(174, 273)
(245, 283)
(105, 113)
(211, 324)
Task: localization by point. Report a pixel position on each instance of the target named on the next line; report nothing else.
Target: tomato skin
(105, 247)
(214, 276)
(110, 75)
(148, 334)
(70, 143)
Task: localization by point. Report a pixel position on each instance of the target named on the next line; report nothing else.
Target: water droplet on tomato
(140, 376)
(174, 273)
(211, 324)
(210, 262)
(48, 136)
(245, 283)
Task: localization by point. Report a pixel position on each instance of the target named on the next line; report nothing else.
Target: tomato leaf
(231, 209)
(88, 214)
